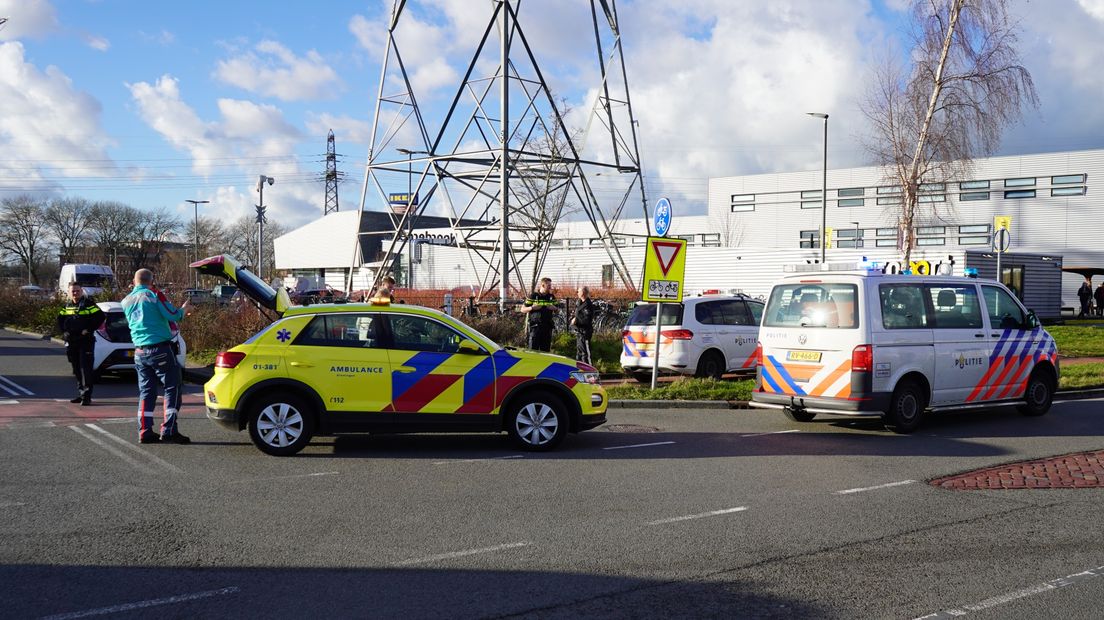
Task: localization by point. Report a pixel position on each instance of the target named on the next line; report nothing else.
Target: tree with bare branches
(67, 220)
(965, 85)
(23, 234)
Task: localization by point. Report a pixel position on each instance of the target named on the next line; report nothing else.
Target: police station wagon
(897, 346)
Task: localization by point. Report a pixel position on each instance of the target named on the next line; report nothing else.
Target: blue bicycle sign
(661, 222)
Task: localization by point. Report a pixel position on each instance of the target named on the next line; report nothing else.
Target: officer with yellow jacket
(539, 308)
(77, 322)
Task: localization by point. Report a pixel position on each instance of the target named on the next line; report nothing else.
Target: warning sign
(664, 269)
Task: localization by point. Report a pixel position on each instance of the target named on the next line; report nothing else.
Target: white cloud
(345, 128)
(99, 44)
(54, 128)
(163, 38)
(1093, 7)
(273, 70)
(27, 19)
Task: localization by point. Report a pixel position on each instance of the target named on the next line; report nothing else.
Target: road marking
(711, 513)
(9, 402)
(314, 475)
(490, 458)
(112, 449)
(123, 442)
(12, 504)
(5, 382)
(181, 598)
(795, 430)
(873, 488)
(1046, 586)
(640, 445)
(461, 554)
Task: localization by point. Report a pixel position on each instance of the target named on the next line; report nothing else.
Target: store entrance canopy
(1088, 272)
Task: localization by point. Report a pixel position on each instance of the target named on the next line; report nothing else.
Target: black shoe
(175, 438)
(149, 437)
(86, 401)
(76, 400)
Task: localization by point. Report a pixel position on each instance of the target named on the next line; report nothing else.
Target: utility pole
(260, 223)
(332, 176)
(195, 206)
(504, 160)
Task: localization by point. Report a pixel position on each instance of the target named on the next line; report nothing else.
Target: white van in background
(896, 346)
(93, 278)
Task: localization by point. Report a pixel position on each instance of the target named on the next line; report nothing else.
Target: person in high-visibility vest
(77, 323)
(538, 309)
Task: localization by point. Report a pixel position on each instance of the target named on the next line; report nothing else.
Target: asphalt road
(665, 513)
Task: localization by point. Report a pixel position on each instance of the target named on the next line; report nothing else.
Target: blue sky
(152, 103)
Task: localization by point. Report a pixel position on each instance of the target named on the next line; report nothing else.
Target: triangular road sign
(666, 251)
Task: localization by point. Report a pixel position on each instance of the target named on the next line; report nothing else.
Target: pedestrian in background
(1085, 295)
(538, 309)
(1099, 297)
(77, 323)
(148, 314)
(583, 322)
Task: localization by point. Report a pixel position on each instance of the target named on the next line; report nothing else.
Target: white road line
(112, 449)
(640, 445)
(9, 402)
(167, 465)
(461, 554)
(491, 458)
(9, 382)
(873, 488)
(711, 513)
(12, 504)
(114, 609)
(315, 475)
(795, 430)
(1046, 586)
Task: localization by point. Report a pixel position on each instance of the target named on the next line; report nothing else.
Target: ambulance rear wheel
(1038, 395)
(906, 409)
(798, 415)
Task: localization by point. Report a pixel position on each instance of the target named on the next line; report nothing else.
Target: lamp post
(856, 235)
(823, 188)
(261, 180)
(409, 221)
(195, 206)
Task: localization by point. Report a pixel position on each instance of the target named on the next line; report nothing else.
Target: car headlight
(583, 376)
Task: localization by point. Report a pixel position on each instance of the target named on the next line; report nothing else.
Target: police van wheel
(642, 377)
(710, 366)
(798, 415)
(280, 424)
(906, 409)
(1038, 395)
(537, 421)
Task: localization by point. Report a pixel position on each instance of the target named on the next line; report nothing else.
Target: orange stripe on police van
(821, 388)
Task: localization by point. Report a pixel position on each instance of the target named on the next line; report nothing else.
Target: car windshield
(818, 304)
(645, 314)
(93, 279)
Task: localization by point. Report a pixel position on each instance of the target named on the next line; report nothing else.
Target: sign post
(661, 224)
(1002, 238)
(664, 274)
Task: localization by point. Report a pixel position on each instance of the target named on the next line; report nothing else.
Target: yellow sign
(828, 238)
(1002, 221)
(664, 269)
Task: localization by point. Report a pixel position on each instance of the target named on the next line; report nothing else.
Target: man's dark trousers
(81, 354)
(540, 338)
(582, 346)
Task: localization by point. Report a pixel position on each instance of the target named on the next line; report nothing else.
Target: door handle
(979, 335)
(995, 335)
(301, 365)
(405, 369)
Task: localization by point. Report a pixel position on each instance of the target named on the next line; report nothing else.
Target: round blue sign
(661, 222)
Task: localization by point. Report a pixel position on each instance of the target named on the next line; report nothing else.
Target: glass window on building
(742, 208)
(851, 202)
(1068, 191)
(812, 193)
(850, 191)
(889, 200)
(973, 240)
(810, 239)
(810, 204)
(966, 196)
(886, 232)
(886, 243)
(575, 243)
(889, 189)
(931, 230)
(973, 229)
(931, 241)
(974, 185)
(743, 198)
(639, 241)
(932, 187)
(1020, 193)
(931, 198)
(711, 240)
(1067, 179)
(1020, 182)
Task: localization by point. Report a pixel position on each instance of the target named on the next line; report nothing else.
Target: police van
(897, 346)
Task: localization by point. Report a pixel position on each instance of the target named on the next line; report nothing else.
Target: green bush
(29, 313)
(687, 389)
(211, 328)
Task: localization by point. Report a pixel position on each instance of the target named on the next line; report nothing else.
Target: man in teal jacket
(149, 313)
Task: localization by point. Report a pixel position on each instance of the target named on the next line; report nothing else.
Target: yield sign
(666, 251)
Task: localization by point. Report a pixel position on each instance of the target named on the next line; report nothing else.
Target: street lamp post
(261, 180)
(856, 235)
(823, 188)
(195, 206)
(409, 221)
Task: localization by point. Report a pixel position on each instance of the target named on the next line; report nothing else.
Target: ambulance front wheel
(537, 421)
(907, 407)
(798, 415)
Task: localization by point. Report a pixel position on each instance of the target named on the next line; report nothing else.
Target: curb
(1078, 394)
(678, 404)
(34, 335)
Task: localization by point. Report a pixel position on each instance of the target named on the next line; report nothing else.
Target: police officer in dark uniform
(538, 309)
(583, 322)
(77, 322)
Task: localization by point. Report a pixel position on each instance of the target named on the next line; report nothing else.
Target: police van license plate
(803, 356)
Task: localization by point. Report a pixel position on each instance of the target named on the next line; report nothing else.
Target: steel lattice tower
(332, 176)
(502, 156)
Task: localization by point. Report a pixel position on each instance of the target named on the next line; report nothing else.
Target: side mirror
(1032, 320)
(469, 347)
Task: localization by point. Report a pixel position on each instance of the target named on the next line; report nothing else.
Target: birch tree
(930, 119)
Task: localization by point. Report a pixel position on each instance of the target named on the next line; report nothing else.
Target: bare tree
(241, 239)
(965, 85)
(111, 228)
(151, 231)
(68, 220)
(23, 233)
(212, 235)
(730, 227)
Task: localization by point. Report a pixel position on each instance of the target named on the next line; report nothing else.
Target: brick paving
(1069, 471)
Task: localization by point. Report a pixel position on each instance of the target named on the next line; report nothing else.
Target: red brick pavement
(1077, 470)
